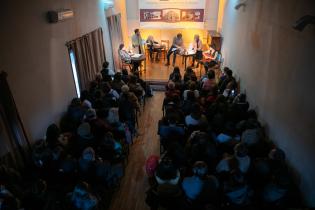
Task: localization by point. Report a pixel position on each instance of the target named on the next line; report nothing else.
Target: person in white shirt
(125, 57)
(197, 47)
(137, 43)
(176, 45)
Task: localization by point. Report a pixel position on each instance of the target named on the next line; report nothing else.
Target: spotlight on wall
(301, 23)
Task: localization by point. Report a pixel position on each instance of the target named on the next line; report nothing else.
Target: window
(74, 72)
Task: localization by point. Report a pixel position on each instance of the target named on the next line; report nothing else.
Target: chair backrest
(166, 43)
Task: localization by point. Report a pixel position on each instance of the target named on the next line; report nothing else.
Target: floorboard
(131, 194)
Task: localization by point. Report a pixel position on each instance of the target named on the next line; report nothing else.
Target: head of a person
(277, 154)
(171, 85)
(90, 114)
(189, 70)
(117, 77)
(166, 170)
(192, 86)
(196, 37)
(133, 79)
(106, 87)
(229, 73)
(84, 131)
(179, 35)
(88, 154)
(225, 69)
(105, 65)
(191, 96)
(121, 46)
(125, 89)
(176, 70)
(200, 169)
(211, 74)
(137, 32)
(240, 150)
(124, 72)
(150, 38)
(80, 190)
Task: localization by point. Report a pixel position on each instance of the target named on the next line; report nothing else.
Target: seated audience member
(110, 97)
(175, 72)
(200, 184)
(125, 76)
(125, 57)
(209, 83)
(87, 164)
(189, 74)
(98, 126)
(82, 199)
(106, 72)
(117, 83)
(7, 200)
(167, 173)
(135, 87)
(172, 94)
(227, 82)
(240, 155)
(236, 189)
(85, 138)
(151, 43)
(128, 104)
(196, 118)
(187, 105)
(193, 89)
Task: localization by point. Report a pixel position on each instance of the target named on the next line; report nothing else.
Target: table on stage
(187, 54)
(140, 58)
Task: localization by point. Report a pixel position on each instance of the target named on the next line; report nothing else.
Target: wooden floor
(157, 71)
(131, 194)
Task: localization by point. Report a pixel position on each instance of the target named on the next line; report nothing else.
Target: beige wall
(211, 17)
(276, 65)
(34, 54)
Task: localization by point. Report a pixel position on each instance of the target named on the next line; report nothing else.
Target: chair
(167, 47)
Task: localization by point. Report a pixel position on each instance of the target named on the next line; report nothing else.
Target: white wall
(276, 65)
(34, 54)
(133, 19)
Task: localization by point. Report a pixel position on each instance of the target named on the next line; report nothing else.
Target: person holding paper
(126, 57)
(153, 47)
(137, 44)
(176, 45)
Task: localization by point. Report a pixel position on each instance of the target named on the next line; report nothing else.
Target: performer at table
(177, 44)
(137, 44)
(126, 57)
(153, 46)
(197, 47)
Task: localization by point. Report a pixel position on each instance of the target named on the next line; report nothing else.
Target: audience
(216, 155)
(213, 151)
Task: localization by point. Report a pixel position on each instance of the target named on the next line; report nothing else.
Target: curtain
(90, 54)
(114, 25)
(15, 146)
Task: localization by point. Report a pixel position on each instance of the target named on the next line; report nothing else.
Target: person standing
(197, 47)
(177, 43)
(137, 44)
